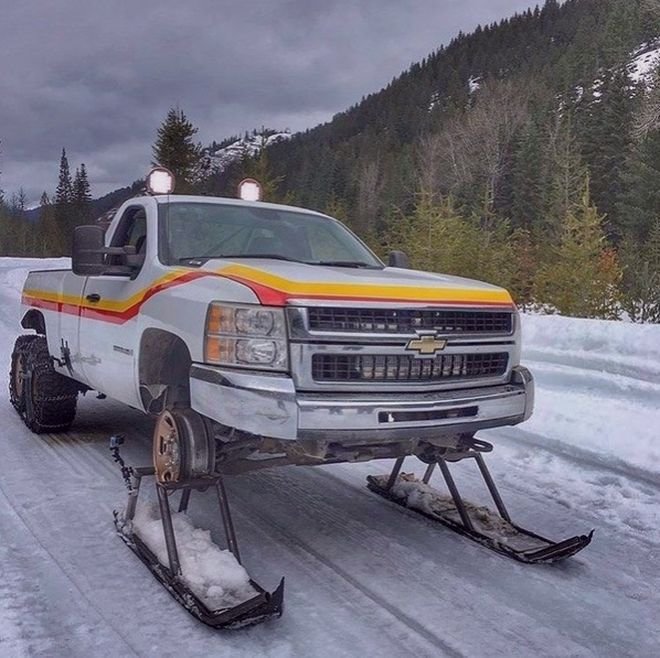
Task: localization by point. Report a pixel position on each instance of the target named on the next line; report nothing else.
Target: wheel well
(164, 370)
(34, 320)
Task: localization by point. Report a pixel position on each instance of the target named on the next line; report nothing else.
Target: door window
(131, 231)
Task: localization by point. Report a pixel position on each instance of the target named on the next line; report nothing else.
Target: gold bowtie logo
(426, 345)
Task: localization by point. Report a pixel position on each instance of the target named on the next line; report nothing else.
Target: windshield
(195, 232)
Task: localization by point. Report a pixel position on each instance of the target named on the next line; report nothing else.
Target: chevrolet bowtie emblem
(426, 345)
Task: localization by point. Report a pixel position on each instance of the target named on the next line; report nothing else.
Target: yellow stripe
(302, 288)
(118, 305)
(297, 288)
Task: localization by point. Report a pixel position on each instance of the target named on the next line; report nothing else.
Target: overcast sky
(98, 77)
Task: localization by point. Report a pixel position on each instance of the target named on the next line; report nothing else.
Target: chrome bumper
(268, 405)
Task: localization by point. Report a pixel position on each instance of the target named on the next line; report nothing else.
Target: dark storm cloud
(98, 77)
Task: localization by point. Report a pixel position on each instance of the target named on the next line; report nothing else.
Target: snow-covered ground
(645, 60)
(364, 578)
(247, 146)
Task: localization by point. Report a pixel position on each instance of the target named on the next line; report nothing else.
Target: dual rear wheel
(183, 448)
(44, 399)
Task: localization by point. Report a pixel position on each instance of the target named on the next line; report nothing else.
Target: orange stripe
(268, 295)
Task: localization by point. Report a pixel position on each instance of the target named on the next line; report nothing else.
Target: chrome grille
(405, 368)
(407, 321)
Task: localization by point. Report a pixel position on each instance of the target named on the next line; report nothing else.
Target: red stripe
(273, 297)
(265, 294)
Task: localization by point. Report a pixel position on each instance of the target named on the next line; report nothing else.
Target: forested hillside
(526, 153)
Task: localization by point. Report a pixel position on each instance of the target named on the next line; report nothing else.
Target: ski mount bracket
(263, 606)
(495, 530)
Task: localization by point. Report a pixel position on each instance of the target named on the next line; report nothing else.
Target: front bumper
(268, 405)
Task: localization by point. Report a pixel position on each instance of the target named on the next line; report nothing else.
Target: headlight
(246, 336)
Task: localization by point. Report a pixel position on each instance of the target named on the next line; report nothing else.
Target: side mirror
(90, 256)
(399, 259)
(88, 251)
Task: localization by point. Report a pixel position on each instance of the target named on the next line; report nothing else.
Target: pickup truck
(261, 335)
(269, 326)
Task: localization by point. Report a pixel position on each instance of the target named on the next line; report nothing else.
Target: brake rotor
(182, 447)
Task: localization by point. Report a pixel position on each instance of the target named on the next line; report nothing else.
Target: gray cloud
(99, 77)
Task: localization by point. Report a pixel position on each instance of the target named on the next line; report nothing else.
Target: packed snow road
(363, 577)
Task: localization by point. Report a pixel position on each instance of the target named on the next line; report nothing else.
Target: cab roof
(228, 201)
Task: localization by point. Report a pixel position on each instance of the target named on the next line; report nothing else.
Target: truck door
(108, 333)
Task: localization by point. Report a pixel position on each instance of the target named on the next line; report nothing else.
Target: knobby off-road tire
(49, 398)
(17, 372)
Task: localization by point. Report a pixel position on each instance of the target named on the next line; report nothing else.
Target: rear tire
(50, 399)
(17, 372)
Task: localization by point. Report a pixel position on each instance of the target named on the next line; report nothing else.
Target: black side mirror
(399, 259)
(89, 255)
(88, 251)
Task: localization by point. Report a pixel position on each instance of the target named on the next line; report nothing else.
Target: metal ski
(261, 607)
(495, 530)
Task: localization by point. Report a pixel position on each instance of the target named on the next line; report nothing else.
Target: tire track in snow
(649, 372)
(521, 438)
(54, 559)
(294, 542)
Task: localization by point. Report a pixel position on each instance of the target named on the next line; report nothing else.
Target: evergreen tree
(63, 211)
(608, 143)
(81, 188)
(439, 239)
(641, 277)
(258, 166)
(176, 149)
(526, 179)
(564, 177)
(64, 192)
(82, 196)
(49, 241)
(640, 204)
(583, 279)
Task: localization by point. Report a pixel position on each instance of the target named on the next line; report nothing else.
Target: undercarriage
(193, 454)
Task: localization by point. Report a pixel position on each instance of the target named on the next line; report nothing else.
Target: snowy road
(364, 578)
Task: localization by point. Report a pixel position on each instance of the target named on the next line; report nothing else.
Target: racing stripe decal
(271, 290)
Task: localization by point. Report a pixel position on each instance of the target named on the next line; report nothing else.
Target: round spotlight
(160, 181)
(249, 190)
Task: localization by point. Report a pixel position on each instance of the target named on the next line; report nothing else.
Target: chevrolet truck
(259, 335)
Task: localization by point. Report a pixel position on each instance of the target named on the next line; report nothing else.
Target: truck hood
(278, 283)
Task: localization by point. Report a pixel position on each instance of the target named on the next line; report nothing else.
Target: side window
(131, 231)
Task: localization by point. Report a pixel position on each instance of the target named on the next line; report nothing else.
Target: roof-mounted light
(249, 190)
(160, 181)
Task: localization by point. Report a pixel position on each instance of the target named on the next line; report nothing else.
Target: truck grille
(404, 368)
(406, 321)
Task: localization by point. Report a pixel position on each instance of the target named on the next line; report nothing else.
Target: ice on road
(364, 577)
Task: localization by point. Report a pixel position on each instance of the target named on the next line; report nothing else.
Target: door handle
(94, 297)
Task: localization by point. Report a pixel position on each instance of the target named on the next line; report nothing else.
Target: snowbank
(615, 347)
(14, 271)
(597, 392)
(213, 574)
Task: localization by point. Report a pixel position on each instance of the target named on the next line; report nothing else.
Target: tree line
(49, 233)
(524, 154)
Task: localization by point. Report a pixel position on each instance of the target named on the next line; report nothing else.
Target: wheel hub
(167, 449)
(183, 449)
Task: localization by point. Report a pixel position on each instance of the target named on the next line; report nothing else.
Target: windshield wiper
(329, 263)
(346, 263)
(273, 256)
(232, 256)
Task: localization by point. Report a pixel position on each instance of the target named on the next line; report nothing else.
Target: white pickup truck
(261, 335)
